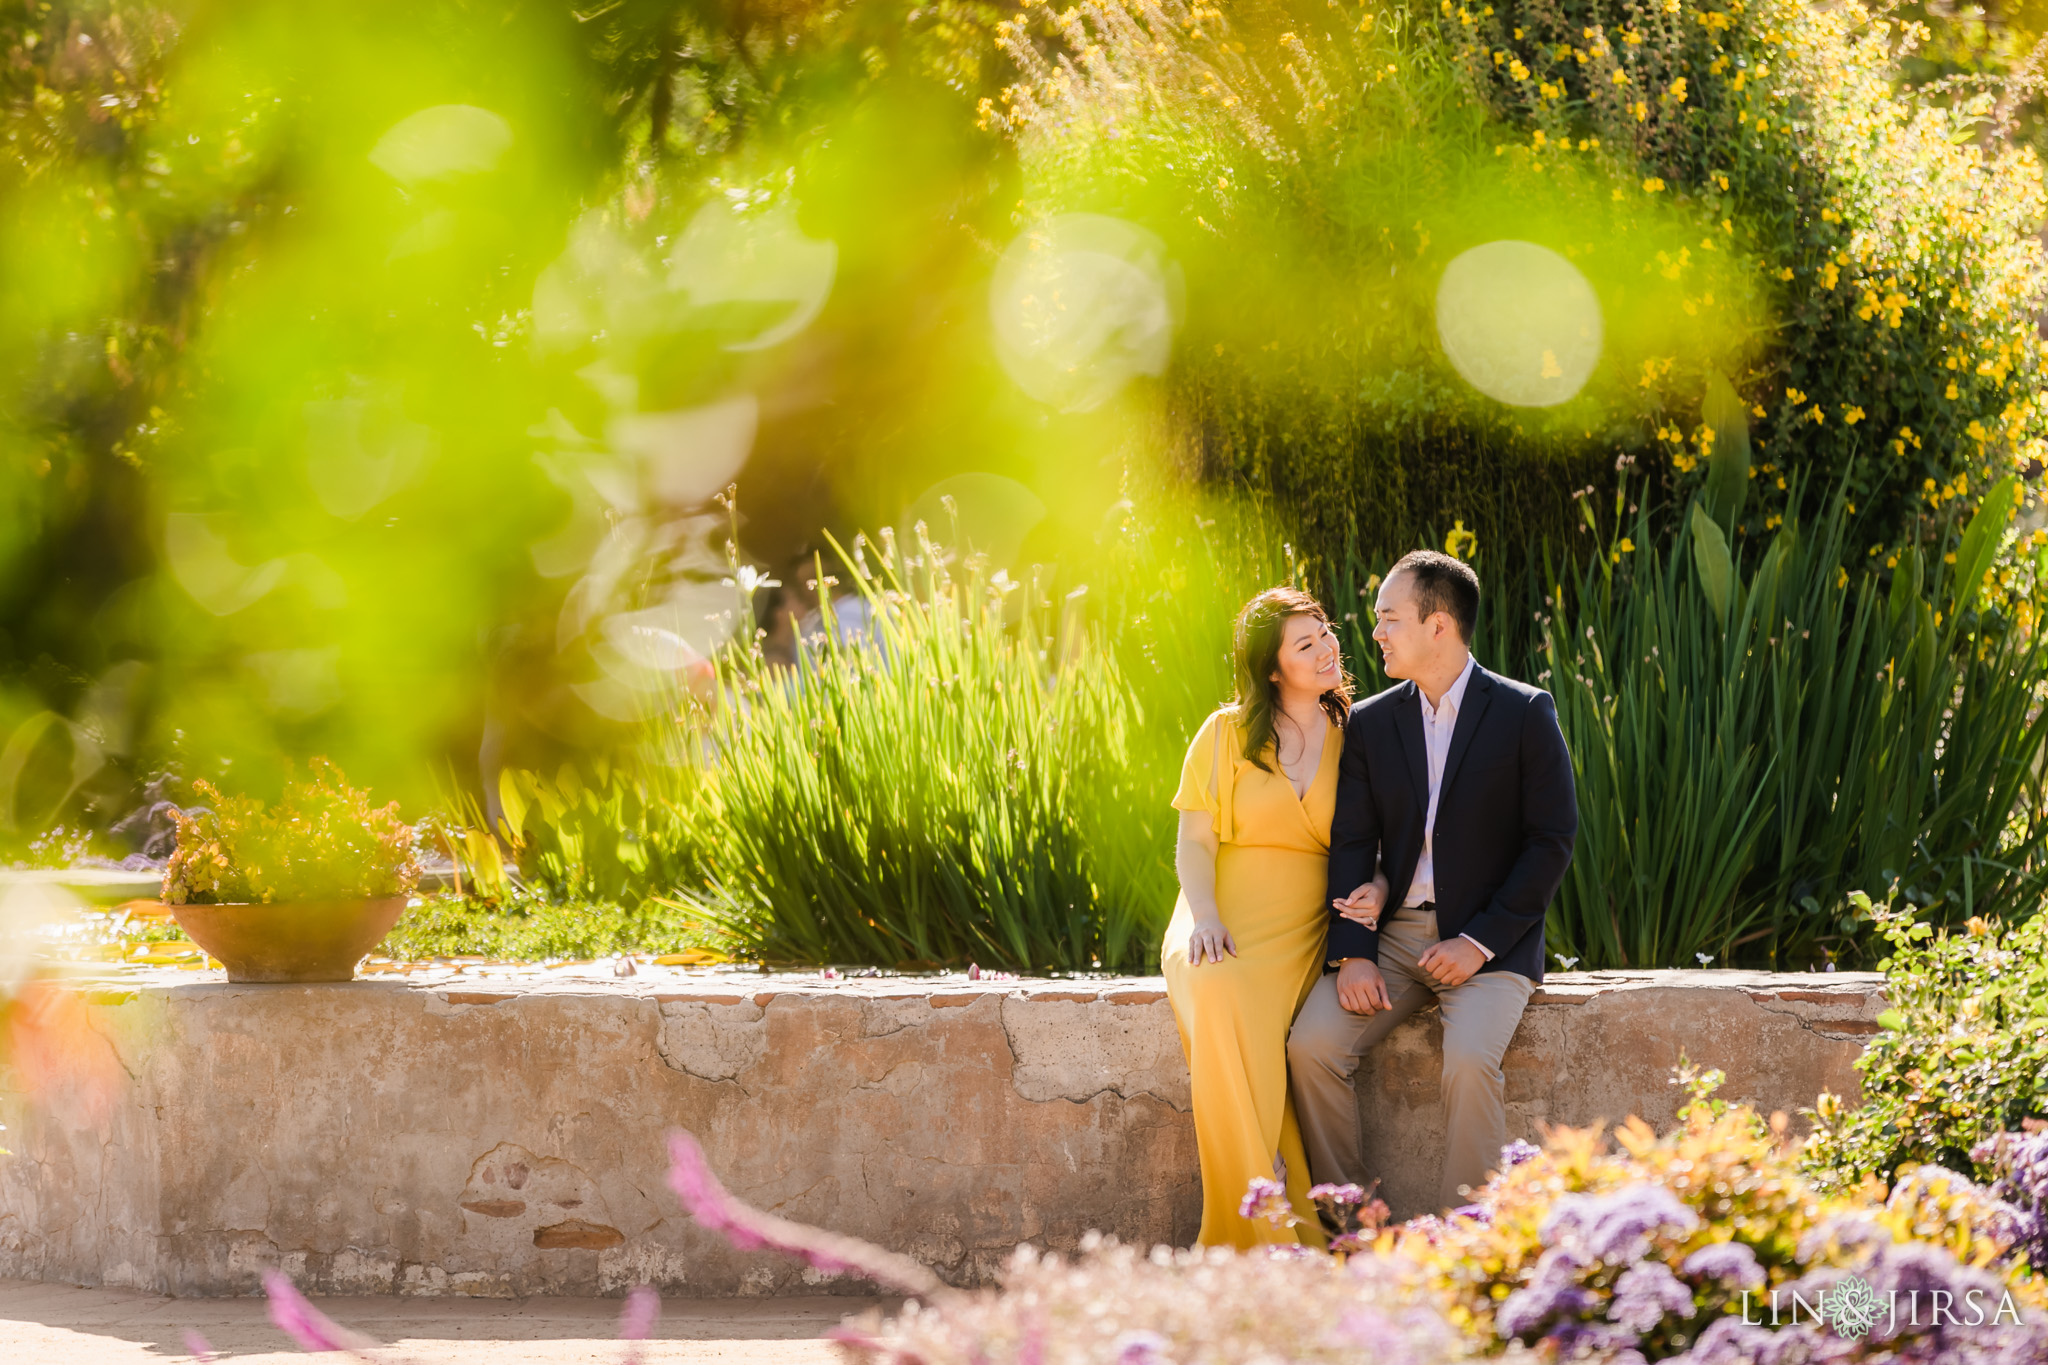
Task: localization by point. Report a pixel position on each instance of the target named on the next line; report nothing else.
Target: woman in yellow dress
(1246, 940)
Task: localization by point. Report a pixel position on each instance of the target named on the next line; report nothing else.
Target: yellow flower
(1951, 389)
(1628, 547)
(1517, 70)
(1460, 536)
(1652, 185)
(1852, 415)
(1795, 397)
(1785, 273)
(1620, 77)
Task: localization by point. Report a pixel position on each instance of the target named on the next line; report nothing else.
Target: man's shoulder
(1380, 702)
(1520, 691)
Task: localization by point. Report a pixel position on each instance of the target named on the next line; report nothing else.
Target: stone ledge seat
(500, 1132)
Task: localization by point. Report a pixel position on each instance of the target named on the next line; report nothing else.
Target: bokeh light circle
(1519, 322)
(1080, 305)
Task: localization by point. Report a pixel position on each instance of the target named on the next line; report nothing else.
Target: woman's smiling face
(1308, 657)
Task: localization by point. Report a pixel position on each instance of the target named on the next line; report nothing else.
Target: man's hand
(1451, 962)
(1363, 905)
(1360, 987)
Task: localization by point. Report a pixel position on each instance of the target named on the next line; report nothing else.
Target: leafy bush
(1963, 1054)
(322, 840)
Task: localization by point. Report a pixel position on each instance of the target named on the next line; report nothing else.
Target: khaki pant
(1479, 1018)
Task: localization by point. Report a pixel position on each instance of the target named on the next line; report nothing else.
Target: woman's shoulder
(1225, 721)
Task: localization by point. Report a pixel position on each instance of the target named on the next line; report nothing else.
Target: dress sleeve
(1206, 778)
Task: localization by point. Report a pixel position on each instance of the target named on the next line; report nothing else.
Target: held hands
(1452, 961)
(1363, 905)
(1209, 942)
(1360, 987)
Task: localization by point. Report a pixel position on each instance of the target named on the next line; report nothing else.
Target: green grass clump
(931, 790)
(532, 929)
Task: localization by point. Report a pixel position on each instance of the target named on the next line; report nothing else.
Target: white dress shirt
(1439, 723)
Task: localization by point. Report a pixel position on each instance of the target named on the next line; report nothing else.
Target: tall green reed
(917, 792)
(1757, 734)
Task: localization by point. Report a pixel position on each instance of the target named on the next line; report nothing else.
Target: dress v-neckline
(1301, 797)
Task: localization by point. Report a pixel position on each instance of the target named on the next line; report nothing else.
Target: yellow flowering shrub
(1894, 228)
(322, 840)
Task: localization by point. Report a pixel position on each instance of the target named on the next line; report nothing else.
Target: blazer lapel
(1408, 724)
(1478, 692)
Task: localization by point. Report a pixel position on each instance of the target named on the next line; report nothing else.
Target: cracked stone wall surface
(506, 1138)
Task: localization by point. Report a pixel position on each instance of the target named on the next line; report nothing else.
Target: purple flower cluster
(2020, 1163)
(1734, 1263)
(1646, 1294)
(1267, 1199)
(1553, 1293)
(1616, 1227)
(1517, 1152)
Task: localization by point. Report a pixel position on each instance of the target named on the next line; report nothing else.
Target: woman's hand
(1363, 905)
(1209, 942)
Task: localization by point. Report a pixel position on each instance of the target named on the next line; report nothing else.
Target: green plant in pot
(297, 890)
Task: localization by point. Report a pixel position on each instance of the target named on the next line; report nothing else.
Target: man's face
(1407, 642)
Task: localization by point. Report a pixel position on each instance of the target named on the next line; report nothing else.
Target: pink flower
(637, 1319)
(198, 1347)
(304, 1323)
(749, 1229)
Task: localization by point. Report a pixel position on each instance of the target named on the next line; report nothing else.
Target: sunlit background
(538, 410)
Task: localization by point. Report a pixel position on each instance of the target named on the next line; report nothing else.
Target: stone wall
(504, 1137)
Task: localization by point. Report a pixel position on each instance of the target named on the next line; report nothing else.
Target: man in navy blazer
(1456, 785)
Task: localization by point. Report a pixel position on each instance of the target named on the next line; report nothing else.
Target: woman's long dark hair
(1256, 657)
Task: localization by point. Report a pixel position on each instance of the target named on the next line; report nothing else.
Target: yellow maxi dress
(1272, 861)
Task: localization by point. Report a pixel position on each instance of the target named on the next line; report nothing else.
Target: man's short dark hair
(1442, 583)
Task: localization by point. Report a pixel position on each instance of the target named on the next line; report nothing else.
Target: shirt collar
(1454, 696)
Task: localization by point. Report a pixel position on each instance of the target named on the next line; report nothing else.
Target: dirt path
(46, 1324)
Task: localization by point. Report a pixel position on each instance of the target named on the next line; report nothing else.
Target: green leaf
(1922, 655)
(1891, 1019)
(1710, 555)
(1980, 540)
(1728, 466)
(513, 802)
(1905, 586)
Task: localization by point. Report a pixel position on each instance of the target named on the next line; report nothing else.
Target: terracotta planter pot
(291, 941)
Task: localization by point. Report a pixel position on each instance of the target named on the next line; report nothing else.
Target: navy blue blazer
(1506, 817)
